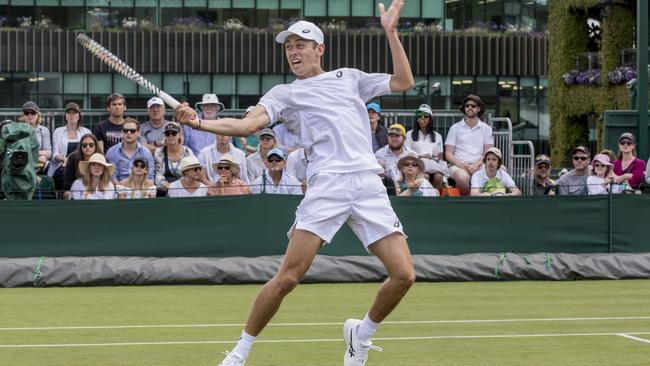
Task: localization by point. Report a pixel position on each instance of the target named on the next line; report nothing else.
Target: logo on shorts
(339, 74)
(397, 224)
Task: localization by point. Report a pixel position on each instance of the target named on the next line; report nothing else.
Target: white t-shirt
(328, 112)
(480, 178)
(297, 164)
(210, 155)
(387, 158)
(424, 145)
(469, 141)
(176, 189)
(80, 192)
(288, 185)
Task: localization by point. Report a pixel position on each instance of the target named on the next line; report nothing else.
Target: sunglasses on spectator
(223, 167)
(129, 130)
(581, 158)
(410, 164)
(599, 166)
(88, 144)
(543, 166)
(171, 133)
(139, 164)
(274, 160)
(470, 105)
(197, 169)
(422, 115)
(266, 138)
(626, 142)
(30, 113)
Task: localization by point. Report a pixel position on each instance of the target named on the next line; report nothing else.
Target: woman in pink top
(628, 168)
(229, 183)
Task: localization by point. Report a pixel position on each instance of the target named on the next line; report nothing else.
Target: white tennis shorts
(358, 199)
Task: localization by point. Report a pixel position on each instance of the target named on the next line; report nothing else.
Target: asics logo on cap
(306, 30)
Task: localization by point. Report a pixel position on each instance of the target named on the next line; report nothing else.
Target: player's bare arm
(402, 78)
(254, 121)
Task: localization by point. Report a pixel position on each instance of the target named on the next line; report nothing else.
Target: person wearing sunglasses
(228, 183)
(628, 168)
(256, 162)
(544, 185)
(152, 134)
(378, 132)
(491, 179)
(124, 153)
(466, 144)
(109, 131)
(95, 180)
(411, 181)
(168, 158)
(32, 116)
(427, 144)
(65, 141)
(212, 154)
(137, 185)
(275, 180)
(87, 147)
(601, 180)
(575, 181)
(190, 184)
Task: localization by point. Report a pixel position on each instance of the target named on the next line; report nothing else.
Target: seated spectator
(575, 181)
(95, 182)
(137, 185)
(65, 141)
(490, 179)
(602, 178)
(256, 162)
(379, 135)
(190, 184)
(544, 185)
(211, 155)
(247, 144)
(427, 144)
(297, 166)
(388, 155)
(124, 153)
(87, 147)
(209, 108)
(152, 135)
(275, 180)
(32, 116)
(168, 158)
(467, 142)
(411, 181)
(228, 183)
(628, 168)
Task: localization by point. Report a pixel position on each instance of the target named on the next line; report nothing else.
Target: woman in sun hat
(602, 177)
(412, 181)
(229, 183)
(95, 182)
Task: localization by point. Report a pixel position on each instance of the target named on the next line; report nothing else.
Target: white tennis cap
(302, 29)
(154, 101)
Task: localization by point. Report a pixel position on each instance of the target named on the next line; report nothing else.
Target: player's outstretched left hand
(390, 17)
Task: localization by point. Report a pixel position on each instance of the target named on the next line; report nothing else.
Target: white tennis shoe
(356, 353)
(232, 359)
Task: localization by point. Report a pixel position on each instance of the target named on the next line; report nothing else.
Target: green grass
(333, 303)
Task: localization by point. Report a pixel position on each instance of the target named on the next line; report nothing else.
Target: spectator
(209, 108)
(601, 178)
(32, 116)
(153, 131)
(137, 185)
(297, 166)
(190, 184)
(467, 142)
(65, 142)
(411, 181)
(378, 133)
(228, 183)
(124, 153)
(388, 155)
(544, 185)
(168, 158)
(275, 180)
(109, 131)
(491, 179)
(87, 147)
(256, 162)
(288, 141)
(213, 154)
(247, 144)
(575, 181)
(427, 144)
(95, 182)
(627, 167)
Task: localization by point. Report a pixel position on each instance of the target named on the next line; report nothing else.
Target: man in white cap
(328, 112)
(197, 140)
(152, 134)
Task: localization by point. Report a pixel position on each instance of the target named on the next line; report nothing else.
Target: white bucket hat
(302, 29)
(210, 99)
(190, 162)
(96, 158)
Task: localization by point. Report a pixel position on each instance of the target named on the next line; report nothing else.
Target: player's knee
(285, 284)
(405, 279)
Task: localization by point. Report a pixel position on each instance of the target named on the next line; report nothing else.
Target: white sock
(367, 329)
(244, 344)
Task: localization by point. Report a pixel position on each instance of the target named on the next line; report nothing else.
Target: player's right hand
(185, 114)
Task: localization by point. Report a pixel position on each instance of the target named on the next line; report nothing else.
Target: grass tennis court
(481, 323)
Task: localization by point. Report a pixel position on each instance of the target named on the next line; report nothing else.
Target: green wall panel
(223, 84)
(268, 4)
(411, 9)
(315, 8)
(173, 83)
(433, 9)
(219, 3)
(291, 4)
(243, 3)
(199, 84)
(99, 84)
(248, 84)
(74, 83)
(339, 8)
(363, 8)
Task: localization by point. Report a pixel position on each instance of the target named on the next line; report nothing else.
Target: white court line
(460, 321)
(627, 335)
(321, 340)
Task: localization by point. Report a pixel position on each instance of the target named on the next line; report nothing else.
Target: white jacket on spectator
(288, 184)
(60, 141)
(210, 155)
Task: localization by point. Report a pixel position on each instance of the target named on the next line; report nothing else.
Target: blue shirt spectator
(123, 163)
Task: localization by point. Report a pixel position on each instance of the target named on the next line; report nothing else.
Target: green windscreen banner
(256, 225)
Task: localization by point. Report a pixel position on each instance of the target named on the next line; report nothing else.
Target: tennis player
(328, 111)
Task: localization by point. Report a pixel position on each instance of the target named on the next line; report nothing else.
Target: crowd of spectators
(124, 159)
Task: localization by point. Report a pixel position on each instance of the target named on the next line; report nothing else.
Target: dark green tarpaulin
(252, 226)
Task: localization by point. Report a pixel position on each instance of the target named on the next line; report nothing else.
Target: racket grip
(168, 99)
